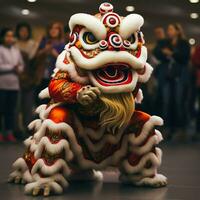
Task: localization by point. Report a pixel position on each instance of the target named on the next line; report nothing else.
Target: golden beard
(117, 110)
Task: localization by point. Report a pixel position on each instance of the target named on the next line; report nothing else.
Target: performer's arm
(62, 89)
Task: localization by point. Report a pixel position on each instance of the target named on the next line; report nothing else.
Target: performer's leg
(143, 159)
(45, 165)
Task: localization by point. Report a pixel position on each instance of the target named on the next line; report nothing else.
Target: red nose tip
(115, 41)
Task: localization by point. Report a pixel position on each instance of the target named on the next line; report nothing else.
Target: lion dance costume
(90, 122)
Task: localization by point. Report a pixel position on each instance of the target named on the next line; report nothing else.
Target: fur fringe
(53, 149)
(141, 150)
(59, 165)
(56, 183)
(143, 78)
(154, 158)
(70, 68)
(21, 171)
(156, 181)
(35, 124)
(148, 126)
(139, 97)
(44, 111)
(44, 94)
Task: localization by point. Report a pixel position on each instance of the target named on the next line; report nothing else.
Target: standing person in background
(28, 48)
(196, 68)
(49, 48)
(11, 65)
(178, 52)
(161, 70)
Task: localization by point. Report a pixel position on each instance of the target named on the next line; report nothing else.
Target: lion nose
(115, 41)
(103, 44)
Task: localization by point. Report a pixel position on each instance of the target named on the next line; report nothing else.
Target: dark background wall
(155, 12)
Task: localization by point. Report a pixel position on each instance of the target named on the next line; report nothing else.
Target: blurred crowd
(174, 89)
(26, 66)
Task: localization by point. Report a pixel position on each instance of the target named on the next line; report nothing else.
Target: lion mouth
(113, 74)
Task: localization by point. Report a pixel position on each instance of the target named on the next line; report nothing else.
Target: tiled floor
(181, 164)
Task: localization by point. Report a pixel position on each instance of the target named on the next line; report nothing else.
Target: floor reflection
(181, 165)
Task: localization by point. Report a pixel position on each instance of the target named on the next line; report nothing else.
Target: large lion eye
(131, 39)
(89, 38)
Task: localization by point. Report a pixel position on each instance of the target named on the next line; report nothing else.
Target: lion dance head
(107, 51)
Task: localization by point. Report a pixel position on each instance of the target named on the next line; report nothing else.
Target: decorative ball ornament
(105, 8)
(73, 38)
(115, 40)
(126, 44)
(103, 44)
(112, 20)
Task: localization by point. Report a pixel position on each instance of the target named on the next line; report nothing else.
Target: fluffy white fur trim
(28, 141)
(20, 171)
(90, 22)
(98, 175)
(56, 183)
(88, 175)
(46, 170)
(44, 111)
(159, 135)
(110, 161)
(31, 143)
(100, 134)
(154, 158)
(139, 97)
(141, 150)
(157, 181)
(55, 127)
(70, 68)
(35, 124)
(148, 126)
(55, 70)
(56, 177)
(15, 174)
(108, 57)
(130, 24)
(53, 149)
(76, 148)
(40, 108)
(147, 74)
(44, 94)
(20, 164)
(27, 177)
(54, 186)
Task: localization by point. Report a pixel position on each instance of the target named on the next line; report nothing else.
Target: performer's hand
(88, 94)
(16, 69)
(54, 53)
(48, 48)
(167, 51)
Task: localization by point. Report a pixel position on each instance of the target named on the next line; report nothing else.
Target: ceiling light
(130, 8)
(194, 1)
(25, 12)
(31, 1)
(194, 15)
(192, 41)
